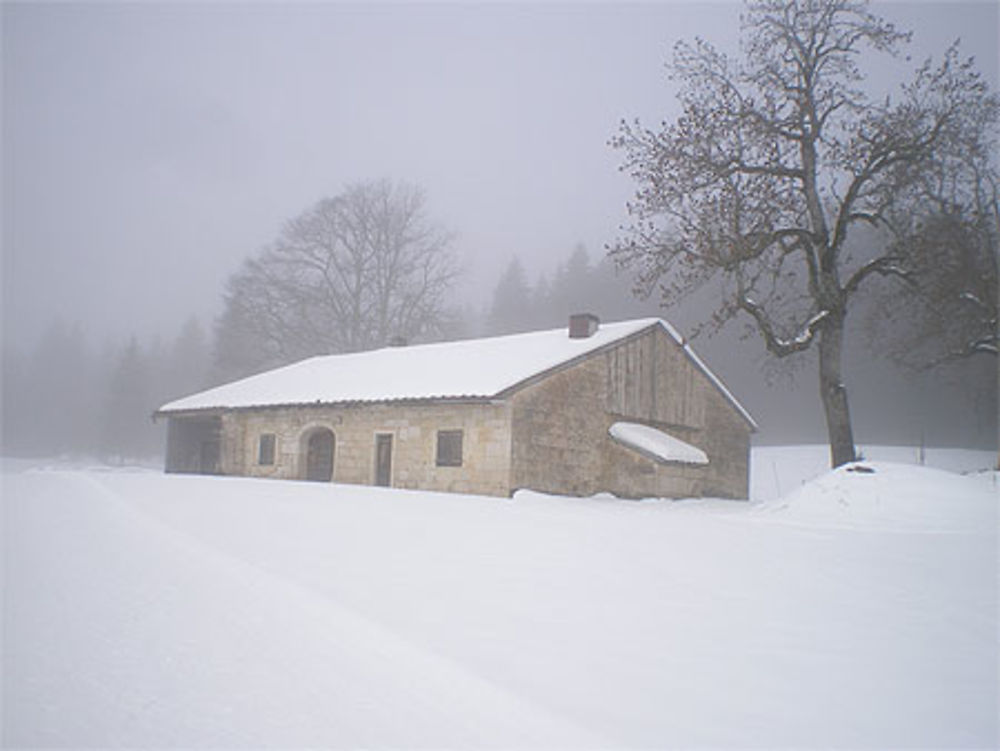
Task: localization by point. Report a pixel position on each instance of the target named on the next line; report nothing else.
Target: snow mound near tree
(776, 470)
(887, 496)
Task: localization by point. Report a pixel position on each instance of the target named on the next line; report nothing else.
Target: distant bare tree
(947, 307)
(780, 163)
(350, 273)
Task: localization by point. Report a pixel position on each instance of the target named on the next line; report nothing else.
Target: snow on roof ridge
(466, 368)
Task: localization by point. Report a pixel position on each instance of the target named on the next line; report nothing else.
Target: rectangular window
(265, 449)
(449, 448)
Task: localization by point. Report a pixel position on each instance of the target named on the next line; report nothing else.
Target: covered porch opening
(194, 445)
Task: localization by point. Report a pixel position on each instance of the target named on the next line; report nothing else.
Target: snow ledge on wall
(656, 444)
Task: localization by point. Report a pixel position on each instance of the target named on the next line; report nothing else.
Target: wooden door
(319, 456)
(383, 459)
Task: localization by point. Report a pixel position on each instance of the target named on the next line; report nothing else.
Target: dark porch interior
(194, 445)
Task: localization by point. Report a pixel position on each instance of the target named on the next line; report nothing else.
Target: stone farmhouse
(626, 408)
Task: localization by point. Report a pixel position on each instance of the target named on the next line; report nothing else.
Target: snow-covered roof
(473, 368)
(656, 444)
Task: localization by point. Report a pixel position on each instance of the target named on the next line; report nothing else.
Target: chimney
(583, 325)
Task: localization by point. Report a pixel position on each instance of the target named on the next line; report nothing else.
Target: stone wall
(560, 426)
(557, 422)
(485, 445)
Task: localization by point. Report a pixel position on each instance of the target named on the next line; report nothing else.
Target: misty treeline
(75, 395)
(580, 284)
(71, 396)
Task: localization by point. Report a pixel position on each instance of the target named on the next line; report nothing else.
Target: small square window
(265, 449)
(449, 448)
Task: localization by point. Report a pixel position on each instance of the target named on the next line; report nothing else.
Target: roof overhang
(656, 444)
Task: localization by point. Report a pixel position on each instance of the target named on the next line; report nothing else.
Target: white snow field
(856, 610)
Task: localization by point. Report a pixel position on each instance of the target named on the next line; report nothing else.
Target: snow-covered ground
(856, 609)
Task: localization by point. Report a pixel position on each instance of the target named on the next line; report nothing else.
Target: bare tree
(351, 273)
(780, 165)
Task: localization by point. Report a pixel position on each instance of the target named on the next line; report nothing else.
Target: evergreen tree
(52, 408)
(188, 362)
(128, 429)
(15, 413)
(511, 311)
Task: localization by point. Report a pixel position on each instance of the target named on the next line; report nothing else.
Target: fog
(149, 148)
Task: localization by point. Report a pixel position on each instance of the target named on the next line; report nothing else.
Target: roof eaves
(402, 401)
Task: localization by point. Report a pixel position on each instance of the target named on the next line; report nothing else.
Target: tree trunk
(833, 393)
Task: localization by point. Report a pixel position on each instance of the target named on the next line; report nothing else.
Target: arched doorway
(319, 455)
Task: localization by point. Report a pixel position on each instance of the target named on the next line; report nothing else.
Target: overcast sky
(149, 148)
